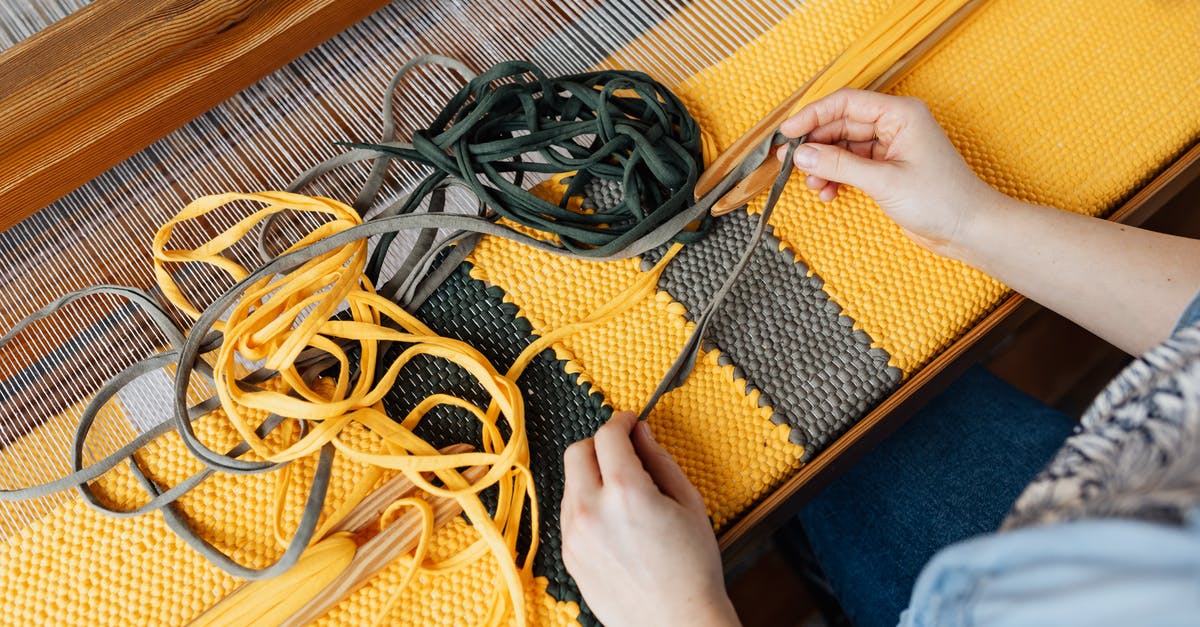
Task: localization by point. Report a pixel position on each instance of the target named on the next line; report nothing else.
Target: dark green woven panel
(782, 332)
(558, 409)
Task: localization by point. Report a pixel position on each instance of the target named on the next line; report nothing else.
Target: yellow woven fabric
(79, 567)
(722, 439)
(1073, 104)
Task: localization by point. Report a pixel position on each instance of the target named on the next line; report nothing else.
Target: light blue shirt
(1092, 572)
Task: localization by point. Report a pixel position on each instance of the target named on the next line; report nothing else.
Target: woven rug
(1075, 104)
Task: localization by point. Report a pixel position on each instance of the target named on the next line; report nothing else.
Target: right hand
(891, 148)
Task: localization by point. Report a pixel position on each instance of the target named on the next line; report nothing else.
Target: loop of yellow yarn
(279, 317)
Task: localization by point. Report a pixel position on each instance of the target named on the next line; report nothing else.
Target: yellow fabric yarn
(279, 316)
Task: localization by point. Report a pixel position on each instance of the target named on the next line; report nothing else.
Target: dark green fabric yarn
(610, 125)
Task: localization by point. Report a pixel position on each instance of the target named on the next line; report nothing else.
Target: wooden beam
(114, 77)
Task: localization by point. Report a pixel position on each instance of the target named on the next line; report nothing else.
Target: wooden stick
(370, 508)
(96, 87)
(925, 49)
(398, 538)
(749, 187)
(740, 149)
(378, 547)
(762, 176)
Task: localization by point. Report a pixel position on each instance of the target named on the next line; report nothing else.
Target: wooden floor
(1048, 357)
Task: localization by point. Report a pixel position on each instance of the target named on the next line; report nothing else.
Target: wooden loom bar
(771, 513)
(93, 89)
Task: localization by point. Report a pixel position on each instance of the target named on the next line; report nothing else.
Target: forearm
(1126, 285)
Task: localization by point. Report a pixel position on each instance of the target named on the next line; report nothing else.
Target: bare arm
(1126, 285)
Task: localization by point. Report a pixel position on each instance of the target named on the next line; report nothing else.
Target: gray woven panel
(781, 331)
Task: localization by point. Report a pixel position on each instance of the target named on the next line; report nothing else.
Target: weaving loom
(1071, 104)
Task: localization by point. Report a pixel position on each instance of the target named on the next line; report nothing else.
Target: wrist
(980, 229)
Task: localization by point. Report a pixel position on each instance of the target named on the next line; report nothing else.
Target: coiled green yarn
(610, 125)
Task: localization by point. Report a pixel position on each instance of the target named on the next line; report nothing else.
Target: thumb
(665, 472)
(834, 163)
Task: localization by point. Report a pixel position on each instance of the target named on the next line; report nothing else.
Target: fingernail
(645, 427)
(805, 157)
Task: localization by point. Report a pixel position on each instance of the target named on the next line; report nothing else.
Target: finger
(842, 129)
(581, 479)
(619, 463)
(837, 164)
(815, 182)
(664, 470)
(865, 107)
(829, 192)
(866, 149)
(581, 471)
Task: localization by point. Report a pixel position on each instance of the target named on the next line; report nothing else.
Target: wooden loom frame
(93, 89)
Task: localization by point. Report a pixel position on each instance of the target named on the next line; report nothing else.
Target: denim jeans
(951, 472)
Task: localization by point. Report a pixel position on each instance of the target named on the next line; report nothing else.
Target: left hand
(636, 535)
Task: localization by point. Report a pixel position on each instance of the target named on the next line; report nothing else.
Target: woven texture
(723, 440)
(1073, 104)
(782, 333)
(48, 442)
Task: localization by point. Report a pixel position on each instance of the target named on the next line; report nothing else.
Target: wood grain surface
(89, 91)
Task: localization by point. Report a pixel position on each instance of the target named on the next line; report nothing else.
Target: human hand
(892, 149)
(636, 536)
